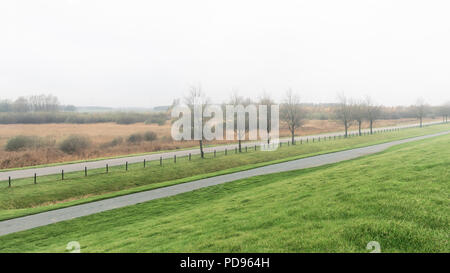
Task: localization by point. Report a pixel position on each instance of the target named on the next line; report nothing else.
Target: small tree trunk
(201, 149)
(420, 122)
(346, 129)
(359, 127)
(240, 146)
(371, 127)
(293, 137)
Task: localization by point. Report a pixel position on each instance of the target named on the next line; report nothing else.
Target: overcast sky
(145, 53)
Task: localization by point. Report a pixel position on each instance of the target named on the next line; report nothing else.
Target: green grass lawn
(25, 198)
(399, 198)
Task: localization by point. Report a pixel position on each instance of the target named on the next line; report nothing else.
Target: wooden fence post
(34, 178)
(9, 181)
(85, 171)
(62, 174)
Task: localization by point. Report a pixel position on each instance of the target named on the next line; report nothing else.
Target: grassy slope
(50, 193)
(398, 198)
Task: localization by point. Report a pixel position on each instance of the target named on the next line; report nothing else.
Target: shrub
(150, 136)
(135, 138)
(20, 142)
(75, 144)
(116, 141)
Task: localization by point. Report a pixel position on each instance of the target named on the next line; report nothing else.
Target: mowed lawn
(399, 198)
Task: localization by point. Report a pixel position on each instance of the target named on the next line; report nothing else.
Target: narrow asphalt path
(50, 217)
(25, 173)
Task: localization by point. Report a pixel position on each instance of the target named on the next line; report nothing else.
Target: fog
(146, 53)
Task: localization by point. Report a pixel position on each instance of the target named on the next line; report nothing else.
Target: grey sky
(145, 53)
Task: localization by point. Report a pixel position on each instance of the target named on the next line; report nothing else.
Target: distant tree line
(39, 109)
(35, 103)
(83, 118)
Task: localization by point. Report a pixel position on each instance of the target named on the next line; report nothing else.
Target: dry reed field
(102, 134)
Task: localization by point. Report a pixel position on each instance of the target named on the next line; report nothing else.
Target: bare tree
(373, 112)
(292, 113)
(267, 101)
(43, 103)
(344, 111)
(196, 99)
(21, 105)
(236, 101)
(447, 110)
(6, 106)
(444, 111)
(359, 114)
(420, 110)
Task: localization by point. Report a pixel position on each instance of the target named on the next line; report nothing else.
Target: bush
(20, 142)
(116, 141)
(150, 136)
(135, 138)
(75, 144)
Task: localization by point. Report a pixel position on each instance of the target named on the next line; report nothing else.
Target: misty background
(146, 53)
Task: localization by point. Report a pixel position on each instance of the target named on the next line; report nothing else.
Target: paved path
(46, 218)
(155, 157)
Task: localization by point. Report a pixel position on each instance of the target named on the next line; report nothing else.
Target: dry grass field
(103, 133)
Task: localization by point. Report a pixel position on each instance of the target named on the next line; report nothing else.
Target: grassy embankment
(24, 198)
(398, 198)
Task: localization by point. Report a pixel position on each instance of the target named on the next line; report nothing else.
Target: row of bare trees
(293, 112)
(349, 111)
(444, 111)
(196, 97)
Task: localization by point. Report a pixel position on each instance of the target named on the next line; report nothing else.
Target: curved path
(25, 173)
(46, 218)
